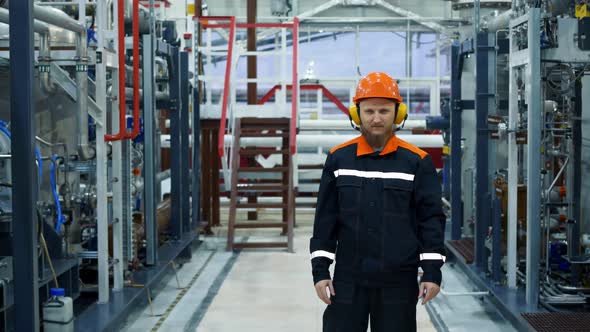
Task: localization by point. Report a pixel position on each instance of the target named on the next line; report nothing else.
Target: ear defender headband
(401, 114)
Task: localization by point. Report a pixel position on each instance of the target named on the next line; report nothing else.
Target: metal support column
(577, 170)
(533, 98)
(22, 110)
(175, 145)
(184, 141)
(102, 214)
(512, 222)
(149, 152)
(196, 189)
(482, 142)
(456, 209)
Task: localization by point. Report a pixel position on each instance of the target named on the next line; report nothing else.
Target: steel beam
(24, 175)
(196, 186)
(456, 109)
(184, 139)
(512, 222)
(482, 96)
(149, 152)
(175, 144)
(533, 98)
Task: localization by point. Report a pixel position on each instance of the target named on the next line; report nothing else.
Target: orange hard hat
(377, 85)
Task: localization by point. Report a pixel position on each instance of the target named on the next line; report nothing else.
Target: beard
(377, 141)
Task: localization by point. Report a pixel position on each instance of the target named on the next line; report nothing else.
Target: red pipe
(123, 134)
(135, 131)
(232, 30)
(294, 91)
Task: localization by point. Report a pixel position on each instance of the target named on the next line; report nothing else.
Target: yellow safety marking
(181, 294)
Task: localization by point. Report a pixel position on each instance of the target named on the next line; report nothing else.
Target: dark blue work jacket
(379, 215)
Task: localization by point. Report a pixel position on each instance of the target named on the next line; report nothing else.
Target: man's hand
(428, 291)
(320, 289)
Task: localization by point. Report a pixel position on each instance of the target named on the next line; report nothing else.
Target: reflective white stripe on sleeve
(372, 174)
(432, 256)
(322, 253)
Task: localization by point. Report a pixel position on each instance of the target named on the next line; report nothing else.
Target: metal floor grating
(465, 247)
(558, 321)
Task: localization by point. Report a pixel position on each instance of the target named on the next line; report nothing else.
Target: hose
(60, 217)
(4, 129)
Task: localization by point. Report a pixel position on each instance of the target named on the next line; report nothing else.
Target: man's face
(377, 116)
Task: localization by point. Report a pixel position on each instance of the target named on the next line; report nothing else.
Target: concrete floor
(272, 290)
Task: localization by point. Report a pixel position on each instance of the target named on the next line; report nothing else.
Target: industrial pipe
(345, 124)
(58, 18)
(493, 23)
(123, 134)
(44, 47)
(330, 141)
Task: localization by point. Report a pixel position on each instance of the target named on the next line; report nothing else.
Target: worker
(379, 216)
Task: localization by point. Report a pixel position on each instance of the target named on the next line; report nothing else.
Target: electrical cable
(44, 244)
(60, 217)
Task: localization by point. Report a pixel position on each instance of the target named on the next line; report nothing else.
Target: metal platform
(510, 302)
(109, 316)
(559, 321)
(463, 249)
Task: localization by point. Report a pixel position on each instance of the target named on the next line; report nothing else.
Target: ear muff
(353, 114)
(401, 113)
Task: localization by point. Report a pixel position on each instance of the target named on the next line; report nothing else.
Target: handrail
(123, 134)
(226, 83)
(204, 20)
(325, 90)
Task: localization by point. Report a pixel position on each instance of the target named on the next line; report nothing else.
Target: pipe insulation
(323, 141)
(494, 23)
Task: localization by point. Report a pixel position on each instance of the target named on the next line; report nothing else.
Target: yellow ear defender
(400, 116)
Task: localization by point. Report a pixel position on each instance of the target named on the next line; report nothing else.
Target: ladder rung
(252, 152)
(264, 121)
(261, 225)
(262, 188)
(319, 166)
(262, 205)
(259, 134)
(252, 245)
(263, 169)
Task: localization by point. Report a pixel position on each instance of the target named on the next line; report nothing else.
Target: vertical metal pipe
(184, 139)
(22, 110)
(512, 221)
(456, 206)
(533, 79)
(481, 140)
(175, 145)
(149, 163)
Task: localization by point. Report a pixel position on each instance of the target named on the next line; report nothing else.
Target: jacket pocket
(397, 195)
(400, 295)
(349, 193)
(344, 292)
(400, 243)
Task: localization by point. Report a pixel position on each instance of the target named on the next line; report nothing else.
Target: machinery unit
(106, 74)
(516, 195)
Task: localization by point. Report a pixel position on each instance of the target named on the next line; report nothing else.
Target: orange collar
(363, 147)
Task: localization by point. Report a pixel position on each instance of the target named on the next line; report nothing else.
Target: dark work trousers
(391, 309)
